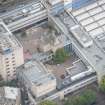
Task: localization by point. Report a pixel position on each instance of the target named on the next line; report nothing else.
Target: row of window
(8, 68)
(9, 75)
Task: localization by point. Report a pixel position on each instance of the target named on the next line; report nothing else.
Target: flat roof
(37, 73)
(9, 92)
(83, 37)
(78, 67)
(91, 17)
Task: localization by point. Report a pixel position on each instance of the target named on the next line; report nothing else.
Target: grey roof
(36, 73)
(78, 67)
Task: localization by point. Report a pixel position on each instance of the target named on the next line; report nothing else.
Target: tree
(86, 98)
(102, 84)
(12, 83)
(90, 97)
(47, 102)
(60, 56)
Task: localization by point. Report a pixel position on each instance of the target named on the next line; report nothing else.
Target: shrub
(60, 56)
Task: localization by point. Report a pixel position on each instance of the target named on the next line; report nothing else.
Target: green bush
(12, 83)
(47, 102)
(86, 98)
(102, 84)
(60, 56)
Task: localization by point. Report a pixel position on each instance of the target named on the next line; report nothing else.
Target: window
(14, 64)
(14, 74)
(13, 54)
(6, 58)
(8, 75)
(13, 61)
(8, 71)
(7, 62)
(13, 57)
(7, 68)
(7, 65)
(14, 67)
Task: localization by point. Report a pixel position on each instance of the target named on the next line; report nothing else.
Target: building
(10, 96)
(36, 78)
(91, 20)
(83, 38)
(76, 4)
(53, 2)
(11, 53)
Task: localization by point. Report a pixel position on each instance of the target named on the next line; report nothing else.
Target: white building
(10, 96)
(54, 2)
(11, 53)
(36, 78)
(68, 4)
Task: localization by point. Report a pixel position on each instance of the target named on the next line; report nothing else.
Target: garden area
(60, 56)
(86, 98)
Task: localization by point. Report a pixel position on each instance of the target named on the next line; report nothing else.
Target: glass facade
(76, 4)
